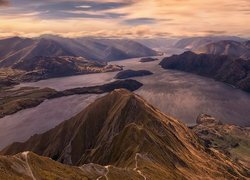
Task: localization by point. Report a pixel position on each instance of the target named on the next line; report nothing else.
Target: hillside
(222, 68)
(193, 43)
(123, 133)
(15, 50)
(231, 48)
(229, 139)
(28, 166)
(41, 67)
(34, 59)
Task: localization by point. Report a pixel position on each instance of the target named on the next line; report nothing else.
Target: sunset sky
(125, 18)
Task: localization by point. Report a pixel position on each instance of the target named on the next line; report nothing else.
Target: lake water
(185, 96)
(23, 124)
(178, 94)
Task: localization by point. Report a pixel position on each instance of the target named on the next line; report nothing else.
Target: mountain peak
(122, 130)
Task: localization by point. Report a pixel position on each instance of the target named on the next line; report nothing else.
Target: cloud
(211, 32)
(140, 21)
(126, 17)
(65, 9)
(4, 2)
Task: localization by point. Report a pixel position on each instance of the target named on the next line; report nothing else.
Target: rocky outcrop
(207, 119)
(232, 140)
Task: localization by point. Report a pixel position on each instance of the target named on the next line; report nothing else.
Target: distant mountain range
(228, 47)
(119, 136)
(53, 56)
(177, 45)
(16, 49)
(158, 44)
(193, 43)
(222, 68)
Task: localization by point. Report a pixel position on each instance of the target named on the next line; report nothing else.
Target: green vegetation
(233, 141)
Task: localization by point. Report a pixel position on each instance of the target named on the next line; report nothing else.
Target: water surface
(178, 94)
(23, 124)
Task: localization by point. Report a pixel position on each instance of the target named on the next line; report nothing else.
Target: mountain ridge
(192, 43)
(19, 49)
(231, 48)
(121, 129)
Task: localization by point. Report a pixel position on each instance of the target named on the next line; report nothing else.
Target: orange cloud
(169, 17)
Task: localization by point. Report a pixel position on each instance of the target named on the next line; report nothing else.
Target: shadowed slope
(19, 50)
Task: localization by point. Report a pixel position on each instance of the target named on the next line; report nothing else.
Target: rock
(231, 140)
(207, 119)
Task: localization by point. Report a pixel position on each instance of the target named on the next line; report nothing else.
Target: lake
(178, 94)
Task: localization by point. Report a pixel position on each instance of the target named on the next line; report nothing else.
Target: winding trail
(101, 172)
(25, 155)
(106, 175)
(136, 166)
(99, 178)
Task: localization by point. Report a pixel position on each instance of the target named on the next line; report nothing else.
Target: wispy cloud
(140, 21)
(125, 17)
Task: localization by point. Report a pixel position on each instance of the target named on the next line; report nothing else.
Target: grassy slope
(234, 141)
(124, 131)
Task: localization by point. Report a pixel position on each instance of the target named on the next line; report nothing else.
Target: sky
(125, 18)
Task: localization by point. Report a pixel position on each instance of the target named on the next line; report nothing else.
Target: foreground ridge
(121, 136)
